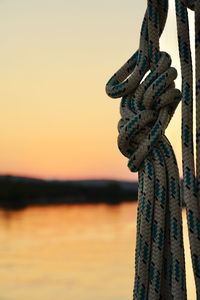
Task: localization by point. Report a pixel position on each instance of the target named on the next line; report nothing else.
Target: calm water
(70, 253)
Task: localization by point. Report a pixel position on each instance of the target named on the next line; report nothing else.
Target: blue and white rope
(149, 98)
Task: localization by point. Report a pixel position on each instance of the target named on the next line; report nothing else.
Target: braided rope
(149, 98)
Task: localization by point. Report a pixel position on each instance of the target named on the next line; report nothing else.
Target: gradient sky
(56, 56)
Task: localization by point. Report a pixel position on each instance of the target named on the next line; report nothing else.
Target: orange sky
(56, 120)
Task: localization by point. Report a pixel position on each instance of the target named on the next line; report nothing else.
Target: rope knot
(146, 113)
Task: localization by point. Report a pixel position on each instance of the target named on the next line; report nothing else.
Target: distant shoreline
(18, 192)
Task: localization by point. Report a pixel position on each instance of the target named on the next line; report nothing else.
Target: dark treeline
(17, 192)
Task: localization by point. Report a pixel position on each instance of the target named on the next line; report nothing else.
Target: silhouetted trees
(17, 192)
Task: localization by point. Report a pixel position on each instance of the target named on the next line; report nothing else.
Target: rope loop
(127, 78)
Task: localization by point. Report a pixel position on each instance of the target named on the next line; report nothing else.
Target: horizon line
(66, 179)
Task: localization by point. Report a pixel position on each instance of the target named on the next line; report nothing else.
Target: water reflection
(69, 252)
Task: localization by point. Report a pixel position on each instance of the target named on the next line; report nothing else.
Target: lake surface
(80, 252)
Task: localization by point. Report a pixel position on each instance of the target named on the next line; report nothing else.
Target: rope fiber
(149, 99)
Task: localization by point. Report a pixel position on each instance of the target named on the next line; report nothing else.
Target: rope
(149, 99)
(191, 183)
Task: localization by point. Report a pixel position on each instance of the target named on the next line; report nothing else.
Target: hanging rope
(191, 183)
(149, 98)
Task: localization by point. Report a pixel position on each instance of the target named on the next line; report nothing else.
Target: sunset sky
(56, 120)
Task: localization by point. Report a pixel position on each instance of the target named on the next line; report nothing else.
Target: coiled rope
(149, 98)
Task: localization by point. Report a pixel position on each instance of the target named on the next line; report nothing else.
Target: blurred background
(68, 216)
